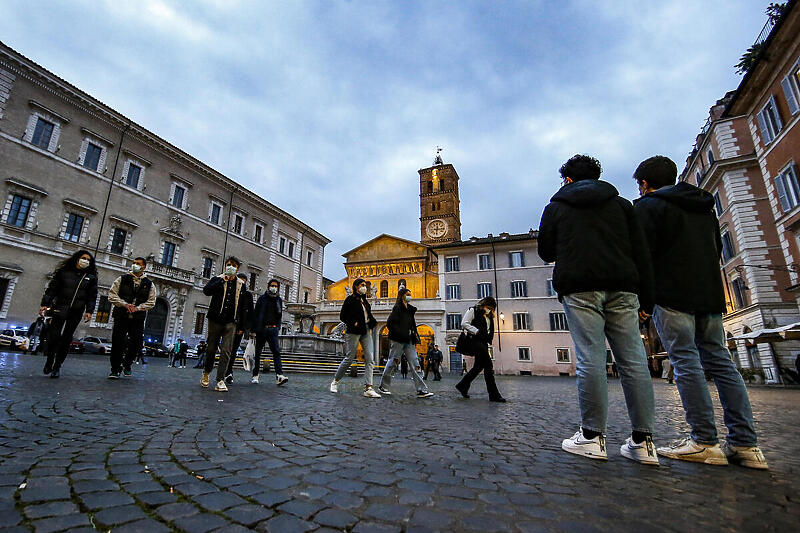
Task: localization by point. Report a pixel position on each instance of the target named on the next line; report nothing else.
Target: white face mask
(273, 290)
(230, 270)
(408, 297)
(362, 289)
(83, 263)
(136, 268)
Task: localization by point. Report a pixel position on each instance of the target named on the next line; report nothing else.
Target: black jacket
(595, 240)
(71, 290)
(268, 312)
(216, 288)
(683, 236)
(401, 324)
(478, 342)
(352, 313)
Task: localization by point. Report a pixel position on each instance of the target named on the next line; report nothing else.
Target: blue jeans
(351, 341)
(696, 346)
(593, 317)
(396, 351)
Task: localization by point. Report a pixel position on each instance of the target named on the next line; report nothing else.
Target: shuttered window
(791, 88)
(769, 121)
(788, 189)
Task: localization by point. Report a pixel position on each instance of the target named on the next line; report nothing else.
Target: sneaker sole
(749, 464)
(644, 461)
(583, 453)
(281, 383)
(425, 395)
(694, 458)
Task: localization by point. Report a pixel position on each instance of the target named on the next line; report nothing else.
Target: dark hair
(658, 171)
(242, 276)
(581, 167)
(142, 259)
(488, 302)
(273, 280)
(234, 259)
(401, 294)
(71, 262)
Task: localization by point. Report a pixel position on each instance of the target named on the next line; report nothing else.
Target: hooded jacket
(269, 312)
(684, 240)
(352, 313)
(595, 240)
(401, 324)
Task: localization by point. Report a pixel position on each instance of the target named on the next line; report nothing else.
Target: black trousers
(127, 336)
(482, 362)
(270, 338)
(237, 341)
(62, 327)
(433, 367)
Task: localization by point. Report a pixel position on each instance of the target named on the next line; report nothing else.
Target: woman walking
(356, 314)
(70, 296)
(478, 322)
(403, 338)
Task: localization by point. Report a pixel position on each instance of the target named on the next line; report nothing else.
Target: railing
(172, 272)
(765, 31)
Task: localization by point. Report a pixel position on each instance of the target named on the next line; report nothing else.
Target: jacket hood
(585, 193)
(408, 308)
(686, 196)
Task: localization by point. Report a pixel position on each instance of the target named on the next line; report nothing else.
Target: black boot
(54, 374)
(462, 389)
(48, 366)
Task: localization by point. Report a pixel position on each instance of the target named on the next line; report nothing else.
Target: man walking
(224, 316)
(132, 295)
(685, 244)
(434, 359)
(265, 327)
(601, 265)
(247, 313)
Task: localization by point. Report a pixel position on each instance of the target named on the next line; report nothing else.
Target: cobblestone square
(156, 452)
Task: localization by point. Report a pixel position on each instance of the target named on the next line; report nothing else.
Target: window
(132, 179)
(788, 189)
(177, 196)
(710, 156)
(728, 251)
(430, 186)
(402, 283)
(519, 289)
(253, 281)
(305, 297)
(453, 292)
(42, 133)
(168, 253)
(92, 158)
(103, 312)
(453, 321)
(739, 296)
(484, 262)
(484, 290)
(3, 291)
(118, 241)
(521, 321)
(384, 289)
(516, 259)
(282, 245)
(309, 257)
(562, 355)
(717, 204)
(769, 121)
(551, 291)
(290, 251)
(215, 213)
(208, 267)
(238, 221)
(18, 214)
(451, 264)
(74, 226)
(199, 321)
(558, 322)
(524, 353)
(698, 177)
(286, 289)
(791, 88)
(258, 231)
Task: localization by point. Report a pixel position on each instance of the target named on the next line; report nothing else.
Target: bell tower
(440, 215)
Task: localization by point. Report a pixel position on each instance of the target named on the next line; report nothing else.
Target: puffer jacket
(71, 291)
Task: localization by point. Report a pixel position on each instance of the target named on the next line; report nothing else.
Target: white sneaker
(369, 392)
(334, 386)
(221, 387)
(254, 380)
(280, 379)
(644, 452)
(748, 456)
(383, 390)
(592, 448)
(687, 449)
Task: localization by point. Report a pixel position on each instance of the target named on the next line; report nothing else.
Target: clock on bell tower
(440, 216)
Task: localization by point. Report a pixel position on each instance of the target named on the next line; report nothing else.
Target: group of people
(616, 264)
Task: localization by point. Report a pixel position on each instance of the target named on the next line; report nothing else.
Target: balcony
(172, 273)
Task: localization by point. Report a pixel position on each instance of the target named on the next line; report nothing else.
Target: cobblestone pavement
(156, 452)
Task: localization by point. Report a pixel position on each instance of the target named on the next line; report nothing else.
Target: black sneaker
(384, 390)
(424, 394)
(462, 390)
(229, 378)
(113, 375)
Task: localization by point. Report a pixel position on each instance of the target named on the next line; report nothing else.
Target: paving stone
(119, 515)
(50, 509)
(172, 511)
(101, 500)
(302, 508)
(43, 494)
(272, 498)
(139, 487)
(58, 523)
(249, 515)
(387, 512)
(9, 518)
(218, 501)
(154, 499)
(94, 485)
(375, 527)
(147, 525)
(335, 518)
(201, 523)
(284, 523)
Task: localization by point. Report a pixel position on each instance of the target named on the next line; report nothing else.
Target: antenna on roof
(438, 159)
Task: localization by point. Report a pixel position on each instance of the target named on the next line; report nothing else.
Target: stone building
(747, 155)
(75, 173)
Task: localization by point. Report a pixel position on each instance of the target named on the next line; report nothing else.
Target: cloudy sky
(329, 108)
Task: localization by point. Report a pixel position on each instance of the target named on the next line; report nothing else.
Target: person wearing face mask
(244, 323)
(70, 295)
(225, 312)
(478, 321)
(265, 328)
(132, 295)
(357, 316)
(403, 338)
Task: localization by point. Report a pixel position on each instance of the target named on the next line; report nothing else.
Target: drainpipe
(110, 187)
(227, 228)
(497, 311)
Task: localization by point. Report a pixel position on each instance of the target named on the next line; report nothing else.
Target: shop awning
(789, 332)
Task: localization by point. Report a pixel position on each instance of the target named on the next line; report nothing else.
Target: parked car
(14, 339)
(76, 346)
(96, 345)
(155, 349)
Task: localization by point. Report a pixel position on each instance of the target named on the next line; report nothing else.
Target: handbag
(464, 344)
(249, 355)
